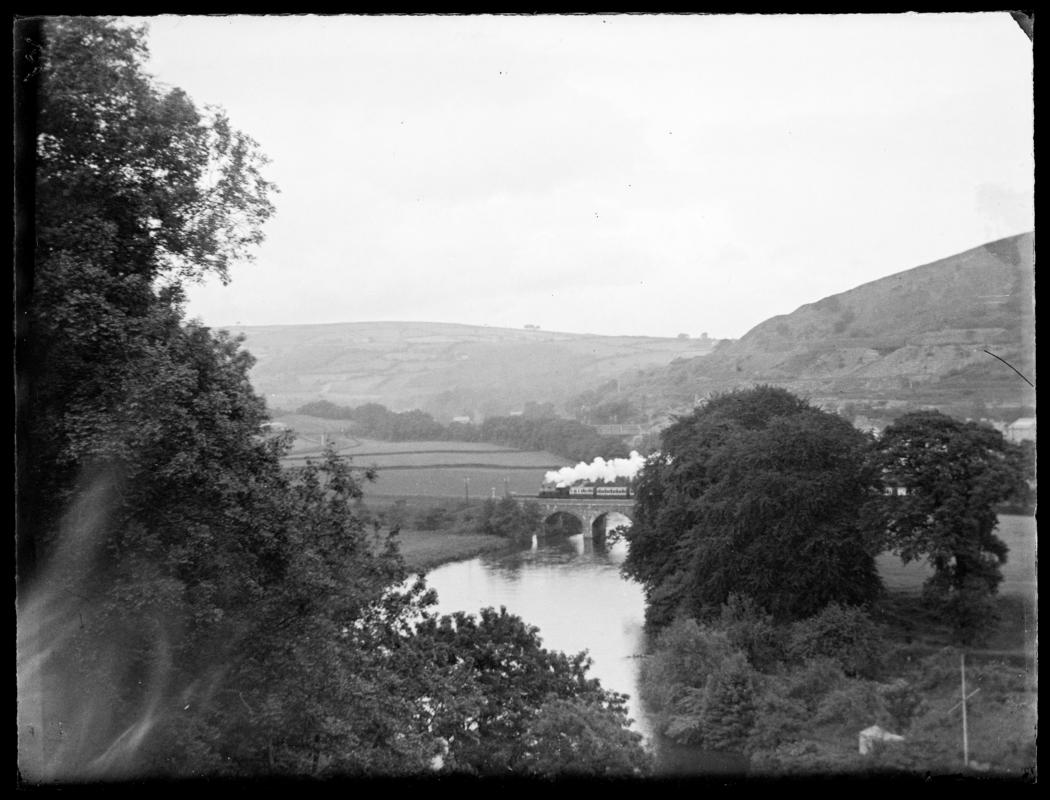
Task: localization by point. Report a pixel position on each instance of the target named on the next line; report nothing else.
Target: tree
(701, 687)
(902, 703)
(196, 609)
(945, 479)
(760, 494)
(516, 685)
(729, 706)
(844, 634)
(685, 654)
(136, 192)
(507, 517)
(189, 606)
(753, 632)
(580, 738)
(146, 498)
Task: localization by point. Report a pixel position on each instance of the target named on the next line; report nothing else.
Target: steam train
(602, 491)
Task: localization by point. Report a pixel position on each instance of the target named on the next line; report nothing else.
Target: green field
(312, 443)
(424, 550)
(439, 458)
(1019, 571)
(478, 482)
(424, 468)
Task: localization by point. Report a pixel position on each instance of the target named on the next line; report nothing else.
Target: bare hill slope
(914, 338)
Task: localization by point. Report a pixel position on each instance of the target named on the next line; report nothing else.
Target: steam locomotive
(602, 491)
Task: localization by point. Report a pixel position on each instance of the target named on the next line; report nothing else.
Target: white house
(1021, 430)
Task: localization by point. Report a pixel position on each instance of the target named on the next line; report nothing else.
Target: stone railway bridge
(588, 511)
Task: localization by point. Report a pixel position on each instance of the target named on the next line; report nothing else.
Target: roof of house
(1023, 422)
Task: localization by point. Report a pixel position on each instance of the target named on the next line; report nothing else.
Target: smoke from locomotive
(598, 470)
(600, 478)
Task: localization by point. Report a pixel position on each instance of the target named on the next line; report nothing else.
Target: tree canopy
(760, 494)
(185, 606)
(536, 429)
(945, 479)
(136, 191)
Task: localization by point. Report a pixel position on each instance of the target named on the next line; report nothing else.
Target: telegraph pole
(962, 703)
(966, 741)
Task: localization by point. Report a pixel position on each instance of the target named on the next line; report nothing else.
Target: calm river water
(572, 591)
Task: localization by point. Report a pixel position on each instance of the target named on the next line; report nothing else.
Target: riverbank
(425, 550)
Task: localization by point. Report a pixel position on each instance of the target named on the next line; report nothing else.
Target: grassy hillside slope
(911, 339)
(444, 369)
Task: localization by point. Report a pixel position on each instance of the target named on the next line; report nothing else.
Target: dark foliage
(536, 430)
(190, 608)
(759, 494)
(946, 479)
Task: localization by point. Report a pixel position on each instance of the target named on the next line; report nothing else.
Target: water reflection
(571, 589)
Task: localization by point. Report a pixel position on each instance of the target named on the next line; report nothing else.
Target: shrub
(814, 680)
(844, 633)
(938, 670)
(901, 703)
(779, 719)
(685, 654)
(806, 758)
(433, 519)
(751, 630)
(729, 706)
(686, 722)
(851, 707)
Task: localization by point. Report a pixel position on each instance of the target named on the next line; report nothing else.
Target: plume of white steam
(597, 470)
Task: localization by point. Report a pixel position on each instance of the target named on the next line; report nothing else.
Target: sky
(644, 175)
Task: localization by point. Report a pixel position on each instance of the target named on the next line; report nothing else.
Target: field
(1019, 572)
(424, 550)
(443, 473)
(424, 469)
(459, 482)
(457, 458)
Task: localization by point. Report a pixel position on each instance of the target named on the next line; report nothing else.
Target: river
(571, 589)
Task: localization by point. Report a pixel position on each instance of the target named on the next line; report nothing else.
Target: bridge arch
(555, 520)
(588, 512)
(602, 523)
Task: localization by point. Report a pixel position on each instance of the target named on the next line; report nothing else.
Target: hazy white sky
(643, 175)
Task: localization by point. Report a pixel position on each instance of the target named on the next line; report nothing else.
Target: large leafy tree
(520, 689)
(583, 738)
(136, 191)
(755, 493)
(148, 506)
(945, 478)
(185, 606)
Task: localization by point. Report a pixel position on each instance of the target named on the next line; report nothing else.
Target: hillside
(445, 369)
(915, 338)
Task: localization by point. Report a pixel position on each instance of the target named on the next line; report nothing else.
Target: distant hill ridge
(444, 368)
(914, 338)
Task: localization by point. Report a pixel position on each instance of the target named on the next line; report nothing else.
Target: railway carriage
(580, 491)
